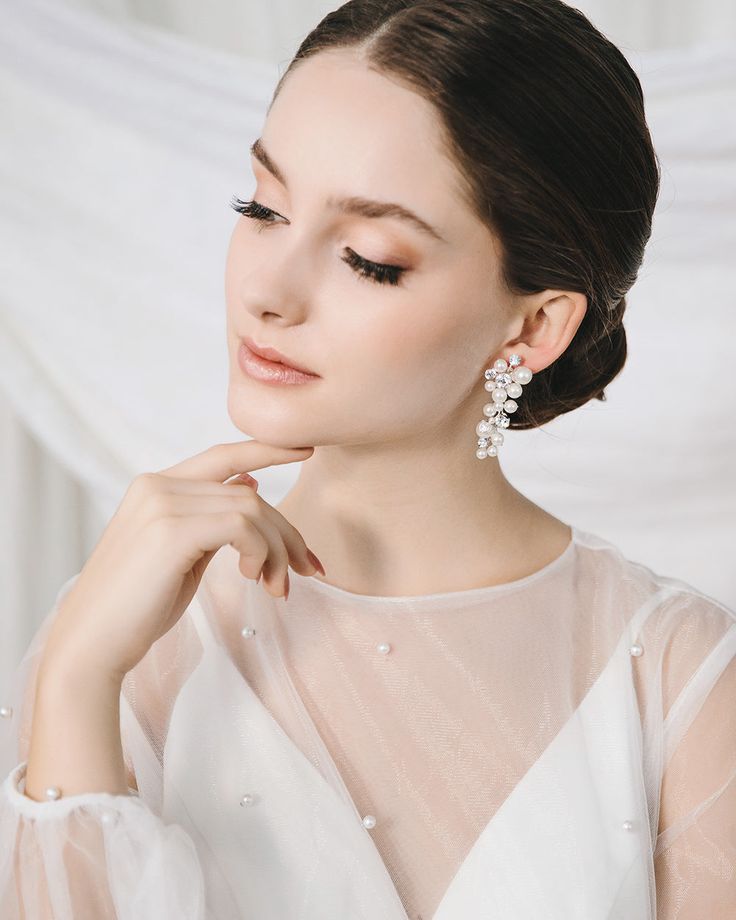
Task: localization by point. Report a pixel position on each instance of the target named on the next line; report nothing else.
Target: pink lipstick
(268, 371)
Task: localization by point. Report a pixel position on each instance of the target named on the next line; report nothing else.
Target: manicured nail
(246, 479)
(315, 561)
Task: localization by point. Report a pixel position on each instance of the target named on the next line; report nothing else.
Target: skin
(393, 500)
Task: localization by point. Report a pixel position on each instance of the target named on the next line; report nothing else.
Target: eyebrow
(353, 204)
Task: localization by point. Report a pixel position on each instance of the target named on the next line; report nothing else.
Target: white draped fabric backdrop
(125, 131)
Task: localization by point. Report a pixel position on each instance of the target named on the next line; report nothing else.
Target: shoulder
(671, 598)
(686, 636)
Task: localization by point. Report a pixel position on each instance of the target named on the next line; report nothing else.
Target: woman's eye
(374, 271)
(253, 209)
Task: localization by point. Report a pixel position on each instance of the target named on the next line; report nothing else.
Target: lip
(272, 355)
(268, 371)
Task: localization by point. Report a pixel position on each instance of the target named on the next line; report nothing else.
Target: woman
(476, 710)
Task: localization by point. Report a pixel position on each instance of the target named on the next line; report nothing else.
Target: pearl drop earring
(501, 385)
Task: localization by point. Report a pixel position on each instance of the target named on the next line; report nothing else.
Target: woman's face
(395, 361)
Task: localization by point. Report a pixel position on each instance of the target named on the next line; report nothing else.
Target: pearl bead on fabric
(52, 793)
(247, 632)
(384, 648)
(247, 799)
(369, 821)
(636, 650)
(628, 825)
(6, 712)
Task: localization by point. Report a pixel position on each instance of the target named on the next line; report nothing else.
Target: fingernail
(286, 587)
(315, 561)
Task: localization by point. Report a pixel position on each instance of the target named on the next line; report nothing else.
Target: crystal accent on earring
(504, 382)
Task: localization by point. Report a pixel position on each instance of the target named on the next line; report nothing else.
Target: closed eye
(375, 271)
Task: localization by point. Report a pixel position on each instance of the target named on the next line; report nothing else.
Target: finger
(221, 461)
(174, 486)
(301, 557)
(296, 547)
(275, 570)
(286, 545)
(244, 479)
(271, 567)
(205, 534)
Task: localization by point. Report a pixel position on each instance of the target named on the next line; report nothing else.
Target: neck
(396, 521)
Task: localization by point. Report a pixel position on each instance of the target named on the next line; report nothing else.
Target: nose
(278, 280)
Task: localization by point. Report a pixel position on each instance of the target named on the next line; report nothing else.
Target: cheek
(412, 360)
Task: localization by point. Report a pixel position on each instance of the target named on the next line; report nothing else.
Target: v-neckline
(348, 801)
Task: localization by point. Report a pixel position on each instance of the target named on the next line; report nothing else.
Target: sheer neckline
(309, 582)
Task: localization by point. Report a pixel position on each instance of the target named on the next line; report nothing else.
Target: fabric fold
(93, 855)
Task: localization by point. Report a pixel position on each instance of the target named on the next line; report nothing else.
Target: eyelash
(374, 271)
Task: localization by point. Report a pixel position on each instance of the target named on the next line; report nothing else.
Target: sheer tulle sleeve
(695, 852)
(97, 855)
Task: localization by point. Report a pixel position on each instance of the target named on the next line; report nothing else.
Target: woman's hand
(149, 561)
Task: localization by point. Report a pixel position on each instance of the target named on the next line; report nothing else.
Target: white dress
(560, 747)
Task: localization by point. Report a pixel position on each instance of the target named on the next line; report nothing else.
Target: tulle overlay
(563, 745)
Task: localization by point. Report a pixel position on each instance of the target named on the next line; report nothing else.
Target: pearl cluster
(503, 382)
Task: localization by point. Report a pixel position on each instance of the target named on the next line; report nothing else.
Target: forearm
(75, 735)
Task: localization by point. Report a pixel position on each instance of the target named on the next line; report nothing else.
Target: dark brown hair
(544, 118)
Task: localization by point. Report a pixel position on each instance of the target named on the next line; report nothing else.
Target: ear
(545, 324)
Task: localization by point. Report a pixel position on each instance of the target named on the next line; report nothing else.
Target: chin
(262, 421)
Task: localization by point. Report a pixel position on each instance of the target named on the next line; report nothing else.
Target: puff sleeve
(96, 855)
(695, 848)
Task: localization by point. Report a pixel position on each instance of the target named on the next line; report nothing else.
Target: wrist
(76, 674)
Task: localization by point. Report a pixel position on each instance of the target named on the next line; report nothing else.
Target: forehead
(338, 128)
